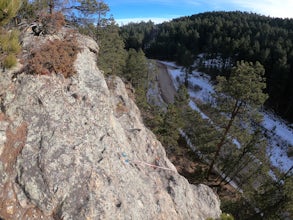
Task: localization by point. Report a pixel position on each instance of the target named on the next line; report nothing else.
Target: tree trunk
(51, 6)
(222, 141)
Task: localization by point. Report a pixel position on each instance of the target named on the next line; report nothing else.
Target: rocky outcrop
(76, 148)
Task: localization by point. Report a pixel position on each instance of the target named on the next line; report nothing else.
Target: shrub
(51, 23)
(8, 9)
(226, 216)
(9, 45)
(9, 42)
(9, 61)
(55, 56)
(9, 48)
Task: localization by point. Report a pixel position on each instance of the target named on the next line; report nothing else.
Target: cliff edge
(76, 148)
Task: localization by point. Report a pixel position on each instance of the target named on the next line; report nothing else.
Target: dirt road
(166, 85)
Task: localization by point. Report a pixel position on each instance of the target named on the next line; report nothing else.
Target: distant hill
(232, 36)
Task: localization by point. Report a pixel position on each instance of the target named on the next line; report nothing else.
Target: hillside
(76, 148)
(245, 173)
(229, 36)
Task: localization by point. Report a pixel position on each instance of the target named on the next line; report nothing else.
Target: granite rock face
(76, 148)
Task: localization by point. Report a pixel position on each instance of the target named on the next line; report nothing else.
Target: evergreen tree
(91, 8)
(181, 99)
(175, 119)
(186, 60)
(239, 97)
(27, 11)
(273, 198)
(49, 5)
(112, 55)
(181, 102)
(169, 133)
(201, 132)
(136, 68)
(240, 161)
(9, 45)
(8, 9)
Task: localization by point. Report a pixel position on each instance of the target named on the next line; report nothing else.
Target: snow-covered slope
(278, 132)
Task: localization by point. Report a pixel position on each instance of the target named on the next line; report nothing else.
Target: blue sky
(162, 10)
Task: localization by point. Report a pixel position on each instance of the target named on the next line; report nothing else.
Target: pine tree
(8, 9)
(201, 133)
(181, 99)
(238, 98)
(273, 198)
(91, 8)
(186, 60)
(49, 6)
(241, 159)
(112, 55)
(27, 10)
(169, 133)
(136, 68)
(9, 45)
(175, 119)
(181, 102)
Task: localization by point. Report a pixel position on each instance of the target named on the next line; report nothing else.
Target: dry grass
(55, 56)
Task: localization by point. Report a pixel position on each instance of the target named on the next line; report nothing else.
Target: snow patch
(279, 134)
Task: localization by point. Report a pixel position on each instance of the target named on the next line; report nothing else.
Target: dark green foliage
(112, 55)
(168, 132)
(9, 45)
(186, 59)
(246, 84)
(90, 10)
(273, 199)
(231, 36)
(181, 99)
(175, 118)
(47, 6)
(201, 133)
(136, 68)
(153, 118)
(138, 36)
(8, 9)
(239, 97)
(88, 29)
(27, 10)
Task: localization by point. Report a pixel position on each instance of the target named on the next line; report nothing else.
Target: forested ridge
(232, 36)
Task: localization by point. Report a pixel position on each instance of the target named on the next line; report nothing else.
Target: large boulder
(77, 148)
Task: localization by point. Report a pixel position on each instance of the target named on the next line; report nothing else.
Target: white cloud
(273, 8)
